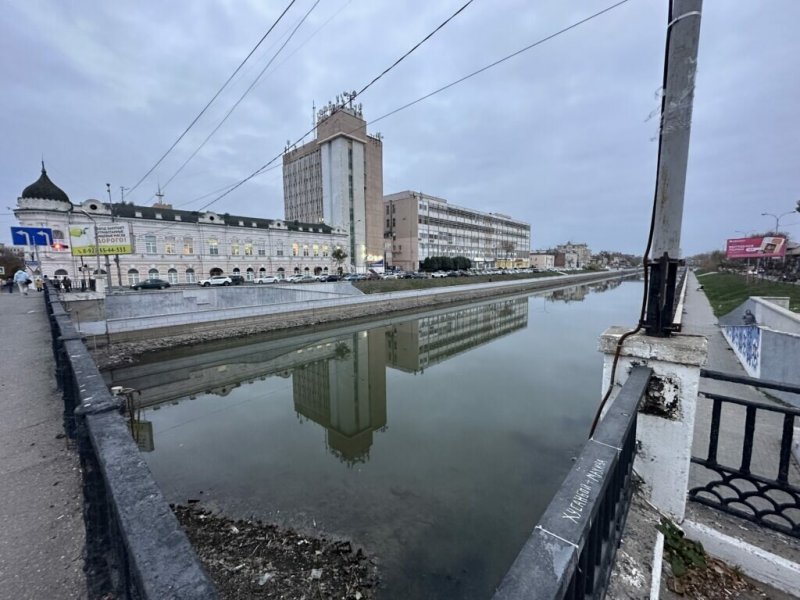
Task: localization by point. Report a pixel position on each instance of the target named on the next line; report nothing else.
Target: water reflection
(338, 382)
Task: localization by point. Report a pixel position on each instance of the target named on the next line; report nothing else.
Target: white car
(215, 280)
(438, 274)
(269, 279)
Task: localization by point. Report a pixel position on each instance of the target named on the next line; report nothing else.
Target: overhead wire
(210, 102)
(426, 96)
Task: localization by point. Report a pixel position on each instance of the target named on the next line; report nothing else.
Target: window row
(237, 248)
(250, 274)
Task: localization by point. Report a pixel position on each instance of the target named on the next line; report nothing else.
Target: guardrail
(570, 553)
(135, 548)
(768, 499)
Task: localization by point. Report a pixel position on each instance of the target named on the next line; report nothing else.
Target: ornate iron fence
(767, 498)
(571, 551)
(135, 548)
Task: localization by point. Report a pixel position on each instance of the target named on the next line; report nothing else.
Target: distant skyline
(562, 136)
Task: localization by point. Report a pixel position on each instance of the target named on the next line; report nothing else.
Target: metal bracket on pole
(663, 276)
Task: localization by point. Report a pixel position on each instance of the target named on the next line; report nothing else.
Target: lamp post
(778, 218)
(97, 249)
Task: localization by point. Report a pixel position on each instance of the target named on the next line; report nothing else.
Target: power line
(224, 85)
(433, 93)
(243, 96)
(350, 98)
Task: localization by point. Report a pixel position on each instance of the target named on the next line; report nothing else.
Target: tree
(339, 255)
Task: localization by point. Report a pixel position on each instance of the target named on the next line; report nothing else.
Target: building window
(262, 249)
(249, 274)
(172, 276)
(295, 249)
(305, 249)
(190, 276)
(188, 246)
(169, 245)
(150, 244)
(279, 249)
(248, 249)
(213, 247)
(324, 249)
(152, 274)
(133, 276)
(316, 249)
(235, 248)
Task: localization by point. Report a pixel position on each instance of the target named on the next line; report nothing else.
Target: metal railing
(570, 553)
(135, 548)
(769, 499)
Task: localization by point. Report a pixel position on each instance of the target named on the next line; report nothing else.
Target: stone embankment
(122, 348)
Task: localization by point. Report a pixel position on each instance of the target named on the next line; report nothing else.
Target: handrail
(571, 551)
(751, 381)
(135, 547)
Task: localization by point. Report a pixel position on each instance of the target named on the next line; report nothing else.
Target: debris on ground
(250, 559)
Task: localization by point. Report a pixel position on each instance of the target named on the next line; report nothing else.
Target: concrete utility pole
(681, 68)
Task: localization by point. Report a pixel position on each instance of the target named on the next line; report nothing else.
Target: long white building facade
(179, 246)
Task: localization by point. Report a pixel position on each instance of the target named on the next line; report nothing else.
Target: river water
(436, 440)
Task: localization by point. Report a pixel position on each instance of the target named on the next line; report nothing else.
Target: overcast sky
(559, 136)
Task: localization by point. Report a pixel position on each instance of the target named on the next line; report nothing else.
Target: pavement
(41, 524)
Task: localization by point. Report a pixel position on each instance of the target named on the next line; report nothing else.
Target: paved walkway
(41, 527)
(700, 319)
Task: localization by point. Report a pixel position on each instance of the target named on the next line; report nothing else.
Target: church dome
(44, 189)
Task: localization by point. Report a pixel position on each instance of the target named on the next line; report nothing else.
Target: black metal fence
(135, 548)
(767, 497)
(570, 553)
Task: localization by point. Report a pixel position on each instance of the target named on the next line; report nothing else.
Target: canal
(435, 440)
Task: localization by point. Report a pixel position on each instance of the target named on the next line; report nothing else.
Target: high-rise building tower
(337, 179)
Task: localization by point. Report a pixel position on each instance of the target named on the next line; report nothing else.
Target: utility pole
(683, 37)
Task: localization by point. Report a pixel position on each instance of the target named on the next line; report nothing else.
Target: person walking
(39, 284)
(22, 280)
(67, 284)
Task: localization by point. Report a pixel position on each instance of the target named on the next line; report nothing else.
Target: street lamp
(97, 249)
(778, 218)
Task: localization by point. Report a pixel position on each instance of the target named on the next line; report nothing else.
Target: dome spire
(44, 189)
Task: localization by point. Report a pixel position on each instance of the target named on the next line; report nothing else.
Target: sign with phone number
(91, 250)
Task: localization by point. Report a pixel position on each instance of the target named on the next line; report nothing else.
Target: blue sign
(31, 236)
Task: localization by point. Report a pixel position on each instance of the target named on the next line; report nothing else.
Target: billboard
(756, 247)
(109, 238)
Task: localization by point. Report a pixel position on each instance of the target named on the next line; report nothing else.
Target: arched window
(297, 270)
(305, 270)
(262, 271)
(60, 273)
(172, 276)
(133, 276)
(281, 273)
(249, 274)
(190, 276)
(236, 271)
(152, 274)
(215, 271)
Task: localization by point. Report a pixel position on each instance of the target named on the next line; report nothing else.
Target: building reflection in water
(338, 382)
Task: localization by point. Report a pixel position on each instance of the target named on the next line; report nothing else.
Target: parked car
(302, 279)
(438, 274)
(266, 279)
(390, 276)
(332, 278)
(151, 284)
(236, 279)
(215, 280)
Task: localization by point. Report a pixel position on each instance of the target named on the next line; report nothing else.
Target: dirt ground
(249, 559)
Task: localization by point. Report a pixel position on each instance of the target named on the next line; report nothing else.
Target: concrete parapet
(665, 424)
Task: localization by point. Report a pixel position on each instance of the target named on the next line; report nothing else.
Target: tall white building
(337, 179)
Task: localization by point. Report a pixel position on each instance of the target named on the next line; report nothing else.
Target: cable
(645, 257)
(441, 89)
(243, 96)
(224, 85)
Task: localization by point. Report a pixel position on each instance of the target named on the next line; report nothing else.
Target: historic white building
(179, 246)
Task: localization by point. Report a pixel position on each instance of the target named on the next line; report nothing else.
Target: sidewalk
(699, 319)
(41, 526)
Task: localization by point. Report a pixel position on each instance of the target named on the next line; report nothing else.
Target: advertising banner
(108, 238)
(756, 247)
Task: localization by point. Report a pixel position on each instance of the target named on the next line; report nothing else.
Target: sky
(563, 136)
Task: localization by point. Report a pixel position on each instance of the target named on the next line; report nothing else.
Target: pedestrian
(67, 284)
(39, 284)
(749, 318)
(22, 280)
(10, 285)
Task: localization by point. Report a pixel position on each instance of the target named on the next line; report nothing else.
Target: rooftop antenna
(159, 194)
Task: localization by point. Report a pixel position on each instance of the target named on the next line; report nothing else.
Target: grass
(400, 285)
(726, 291)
